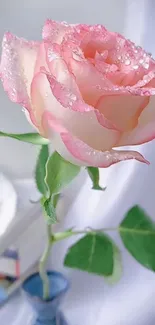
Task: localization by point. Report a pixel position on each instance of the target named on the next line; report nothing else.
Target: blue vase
(47, 312)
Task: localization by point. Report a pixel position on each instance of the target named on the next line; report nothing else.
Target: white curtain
(130, 302)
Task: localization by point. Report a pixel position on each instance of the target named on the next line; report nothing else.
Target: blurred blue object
(3, 295)
(47, 312)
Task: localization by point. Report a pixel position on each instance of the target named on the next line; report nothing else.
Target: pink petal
(66, 97)
(98, 38)
(50, 121)
(54, 31)
(145, 130)
(80, 153)
(137, 91)
(58, 67)
(131, 58)
(82, 123)
(41, 58)
(59, 70)
(70, 49)
(123, 111)
(92, 83)
(147, 80)
(17, 67)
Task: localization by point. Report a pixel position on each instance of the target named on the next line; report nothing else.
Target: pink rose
(85, 88)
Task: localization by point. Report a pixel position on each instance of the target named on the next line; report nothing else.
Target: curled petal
(123, 110)
(92, 83)
(17, 67)
(145, 130)
(81, 125)
(41, 58)
(66, 97)
(58, 67)
(80, 153)
(54, 31)
(49, 103)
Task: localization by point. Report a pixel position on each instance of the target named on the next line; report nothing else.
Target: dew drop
(146, 65)
(145, 77)
(98, 87)
(52, 55)
(141, 61)
(64, 23)
(72, 97)
(127, 62)
(135, 67)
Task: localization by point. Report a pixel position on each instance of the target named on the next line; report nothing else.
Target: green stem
(68, 233)
(43, 262)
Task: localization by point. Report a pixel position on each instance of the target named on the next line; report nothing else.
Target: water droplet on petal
(98, 87)
(135, 67)
(52, 55)
(73, 97)
(146, 65)
(127, 62)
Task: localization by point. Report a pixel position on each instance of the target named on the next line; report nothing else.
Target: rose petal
(82, 124)
(98, 38)
(137, 91)
(66, 96)
(17, 67)
(145, 130)
(41, 59)
(58, 67)
(54, 31)
(130, 57)
(123, 111)
(92, 83)
(147, 80)
(80, 153)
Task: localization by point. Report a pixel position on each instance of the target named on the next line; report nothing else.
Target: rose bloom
(86, 89)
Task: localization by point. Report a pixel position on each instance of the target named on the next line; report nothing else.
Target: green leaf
(40, 171)
(138, 235)
(33, 138)
(117, 268)
(59, 173)
(50, 212)
(93, 172)
(93, 253)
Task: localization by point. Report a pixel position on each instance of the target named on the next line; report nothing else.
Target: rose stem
(43, 262)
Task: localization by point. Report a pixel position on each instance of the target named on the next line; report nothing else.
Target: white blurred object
(21, 230)
(8, 203)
